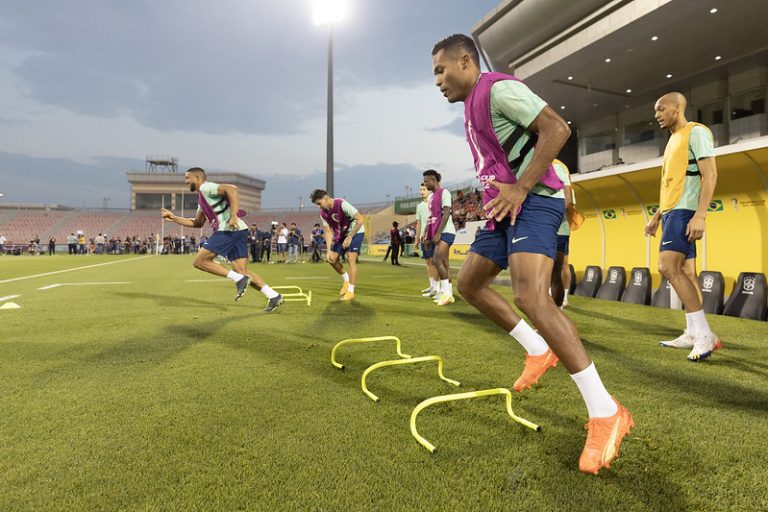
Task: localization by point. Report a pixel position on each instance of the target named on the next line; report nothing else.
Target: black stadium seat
(593, 278)
(572, 288)
(639, 288)
(613, 287)
(661, 296)
(748, 298)
(712, 288)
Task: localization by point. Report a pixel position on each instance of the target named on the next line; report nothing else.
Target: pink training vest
(435, 213)
(490, 158)
(337, 220)
(210, 214)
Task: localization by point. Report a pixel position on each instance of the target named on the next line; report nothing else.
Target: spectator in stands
(2, 244)
(51, 245)
(688, 179)
(395, 242)
(72, 243)
(282, 244)
(294, 237)
(317, 243)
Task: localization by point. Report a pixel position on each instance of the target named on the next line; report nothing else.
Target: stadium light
(328, 12)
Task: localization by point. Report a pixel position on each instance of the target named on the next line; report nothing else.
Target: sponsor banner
(459, 252)
(377, 249)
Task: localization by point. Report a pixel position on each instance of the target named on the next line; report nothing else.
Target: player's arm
(708, 170)
(553, 132)
(568, 191)
(197, 222)
(653, 224)
(357, 223)
(234, 202)
(417, 240)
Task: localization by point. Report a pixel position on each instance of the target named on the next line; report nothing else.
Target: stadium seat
(661, 297)
(572, 288)
(748, 298)
(613, 287)
(593, 278)
(712, 289)
(639, 288)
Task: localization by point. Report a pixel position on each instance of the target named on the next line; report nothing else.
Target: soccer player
(688, 179)
(422, 218)
(514, 136)
(561, 272)
(344, 233)
(440, 234)
(218, 203)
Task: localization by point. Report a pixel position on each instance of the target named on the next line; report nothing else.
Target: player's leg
(222, 243)
(557, 286)
(440, 261)
(352, 254)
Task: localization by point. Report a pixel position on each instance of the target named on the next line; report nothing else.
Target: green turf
(164, 394)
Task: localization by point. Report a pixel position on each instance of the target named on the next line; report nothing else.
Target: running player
(422, 219)
(514, 137)
(218, 203)
(440, 234)
(561, 273)
(688, 179)
(344, 235)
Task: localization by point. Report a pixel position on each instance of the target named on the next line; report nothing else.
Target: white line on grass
(50, 286)
(307, 277)
(9, 297)
(22, 278)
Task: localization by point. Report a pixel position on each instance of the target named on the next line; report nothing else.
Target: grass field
(164, 394)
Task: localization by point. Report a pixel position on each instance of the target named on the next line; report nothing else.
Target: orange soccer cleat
(348, 296)
(535, 366)
(344, 288)
(604, 439)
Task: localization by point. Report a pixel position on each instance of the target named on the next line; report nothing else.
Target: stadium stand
(639, 288)
(593, 278)
(712, 287)
(613, 287)
(25, 226)
(748, 298)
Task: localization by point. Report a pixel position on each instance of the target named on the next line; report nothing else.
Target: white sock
(598, 400)
(268, 292)
(234, 276)
(697, 323)
(531, 341)
(565, 298)
(345, 276)
(433, 283)
(445, 287)
(437, 287)
(351, 288)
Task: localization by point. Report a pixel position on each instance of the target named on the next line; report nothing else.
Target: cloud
(455, 127)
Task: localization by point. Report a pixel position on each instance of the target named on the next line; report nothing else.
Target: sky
(89, 88)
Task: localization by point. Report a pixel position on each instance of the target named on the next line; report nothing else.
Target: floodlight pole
(329, 126)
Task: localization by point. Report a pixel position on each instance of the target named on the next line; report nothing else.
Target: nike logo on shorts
(665, 243)
(515, 240)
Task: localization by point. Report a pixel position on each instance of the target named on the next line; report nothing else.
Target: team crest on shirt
(749, 285)
(335, 217)
(707, 283)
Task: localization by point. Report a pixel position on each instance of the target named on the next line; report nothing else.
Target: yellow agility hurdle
(364, 340)
(296, 296)
(395, 362)
(464, 396)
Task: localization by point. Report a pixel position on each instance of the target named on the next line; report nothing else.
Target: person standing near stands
(282, 244)
(255, 242)
(294, 237)
(317, 243)
(688, 180)
(51, 245)
(561, 272)
(395, 241)
(422, 219)
(440, 234)
(2, 244)
(81, 244)
(219, 205)
(344, 233)
(72, 243)
(514, 137)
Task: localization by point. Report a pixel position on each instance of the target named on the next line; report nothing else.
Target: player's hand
(509, 200)
(328, 258)
(167, 214)
(652, 226)
(233, 221)
(347, 242)
(695, 228)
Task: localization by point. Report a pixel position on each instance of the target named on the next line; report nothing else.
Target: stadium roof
(547, 41)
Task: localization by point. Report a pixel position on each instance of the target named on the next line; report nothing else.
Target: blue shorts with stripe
(430, 251)
(233, 245)
(354, 246)
(535, 231)
(673, 238)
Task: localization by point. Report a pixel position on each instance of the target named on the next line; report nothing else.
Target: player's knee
(528, 300)
(667, 269)
(466, 289)
(198, 264)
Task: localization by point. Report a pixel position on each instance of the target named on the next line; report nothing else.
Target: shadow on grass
(177, 301)
(660, 330)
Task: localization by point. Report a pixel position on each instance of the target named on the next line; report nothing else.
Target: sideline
(22, 278)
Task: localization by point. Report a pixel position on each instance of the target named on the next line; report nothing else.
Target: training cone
(10, 305)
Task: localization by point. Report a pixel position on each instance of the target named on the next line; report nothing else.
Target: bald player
(688, 179)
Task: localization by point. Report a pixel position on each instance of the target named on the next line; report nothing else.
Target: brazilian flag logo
(716, 205)
(609, 214)
(652, 209)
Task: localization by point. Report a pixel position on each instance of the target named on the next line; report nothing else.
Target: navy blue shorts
(535, 231)
(357, 243)
(233, 245)
(673, 237)
(563, 243)
(426, 253)
(445, 237)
